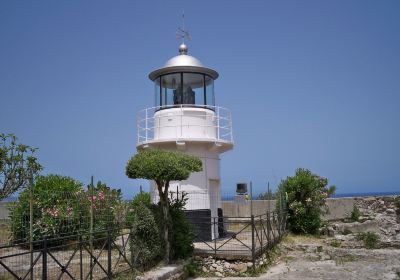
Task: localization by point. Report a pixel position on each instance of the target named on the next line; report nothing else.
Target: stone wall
(4, 210)
(243, 209)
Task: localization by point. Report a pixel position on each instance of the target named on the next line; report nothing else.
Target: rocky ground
(339, 254)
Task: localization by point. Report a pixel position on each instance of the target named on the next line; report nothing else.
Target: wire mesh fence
(74, 257)
(86, 234)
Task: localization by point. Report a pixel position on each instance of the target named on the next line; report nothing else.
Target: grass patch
(192, 269)
(344, 259)
(336, 243)
(306, 238)
(370, 239)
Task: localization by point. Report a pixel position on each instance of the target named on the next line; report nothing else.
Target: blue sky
(312, 84)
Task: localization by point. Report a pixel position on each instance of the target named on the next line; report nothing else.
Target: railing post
(218, 123)
(44, 259)
(253, 243)
(146, 124)
(109, 247)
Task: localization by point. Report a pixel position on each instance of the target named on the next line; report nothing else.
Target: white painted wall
(198, 185)
(185, 122)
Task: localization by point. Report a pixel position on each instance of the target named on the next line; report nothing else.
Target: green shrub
(145, 238)
(355, 214)
(336, 243)
(54, 212)
(397, 204)
(305, 195)
(107, 206)
(140, 198)
(61, 208)
(370, 239)
(181, 229)
(192, 269)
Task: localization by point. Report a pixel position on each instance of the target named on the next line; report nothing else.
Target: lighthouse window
(209, 91)
(184, 89)
(171, 89)
(193, 89)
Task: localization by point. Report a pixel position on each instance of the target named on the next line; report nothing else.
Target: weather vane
(182, 33)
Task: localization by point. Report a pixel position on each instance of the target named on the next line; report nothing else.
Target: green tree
(305, 195)
(17, 165)
(163, 167)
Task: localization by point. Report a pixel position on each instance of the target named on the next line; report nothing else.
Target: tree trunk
(165, 211)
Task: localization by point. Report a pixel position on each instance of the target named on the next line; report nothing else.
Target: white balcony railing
(209, 123)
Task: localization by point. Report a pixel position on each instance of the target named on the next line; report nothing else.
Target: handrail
(220, 119)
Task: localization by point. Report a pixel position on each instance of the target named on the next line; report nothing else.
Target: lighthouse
(185, 118)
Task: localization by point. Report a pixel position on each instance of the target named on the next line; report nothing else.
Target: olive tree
(17, 165)
(163, 167)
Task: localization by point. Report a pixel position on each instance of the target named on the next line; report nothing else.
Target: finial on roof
(183, 49)
(182, 33)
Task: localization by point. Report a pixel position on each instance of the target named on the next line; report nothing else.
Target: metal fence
(82, 256)
(85, 235)
(238, 237)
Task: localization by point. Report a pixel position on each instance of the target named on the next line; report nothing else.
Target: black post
(268, 229)
(253, 244)
(109, 240)
(215, 239)
(131, 245)
(261, 232)
(80, 256)
(44, 259)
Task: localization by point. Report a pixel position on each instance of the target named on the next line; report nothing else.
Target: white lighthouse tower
(185, 118)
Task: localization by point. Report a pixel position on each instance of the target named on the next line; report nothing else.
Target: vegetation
(305, 195)
(108, 208)
(370, 239)
(145, 238)
(355, 214)
(182, 233)
(18, 165)
(336, 243)
(54, 212)
(397, 204)
(163, 167)
(61, 207)
(268, 195)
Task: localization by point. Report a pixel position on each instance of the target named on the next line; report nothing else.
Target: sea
(228, 197)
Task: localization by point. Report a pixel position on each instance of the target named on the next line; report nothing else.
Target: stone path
(315, 259)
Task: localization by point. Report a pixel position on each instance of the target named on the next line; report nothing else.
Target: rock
(390, 211)
(219, 274)
(239, 267)
(204, 269)
(212, 268)
(249, 264)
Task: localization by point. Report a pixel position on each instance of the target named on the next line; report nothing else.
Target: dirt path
(311, 258)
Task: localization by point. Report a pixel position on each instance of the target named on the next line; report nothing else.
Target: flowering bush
(108, 208)
(54, 212)
(61, 207)
(305, 195)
